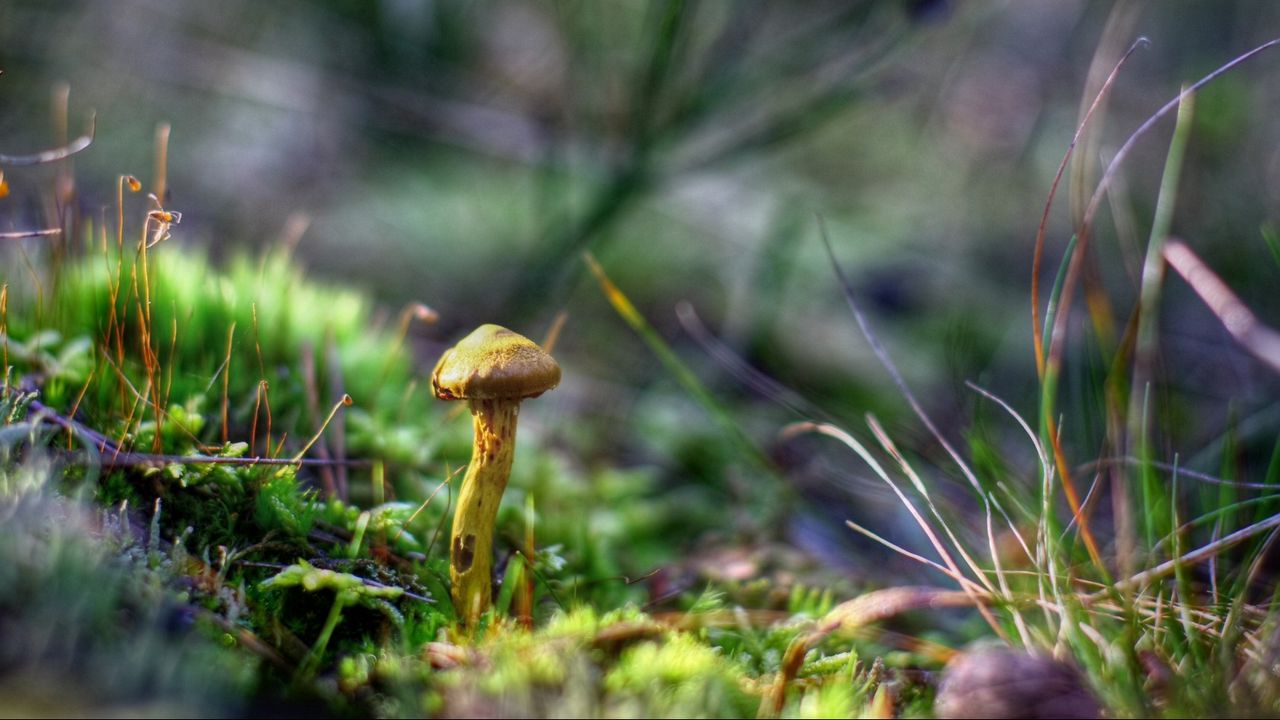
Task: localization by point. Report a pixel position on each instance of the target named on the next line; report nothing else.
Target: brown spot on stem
(464, 552)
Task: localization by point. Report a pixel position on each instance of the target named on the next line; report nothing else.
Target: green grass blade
(1049, 387)
(674, 365)
(1272, 238)
(1155, 523)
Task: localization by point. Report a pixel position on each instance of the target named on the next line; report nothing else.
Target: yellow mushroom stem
(471, 543)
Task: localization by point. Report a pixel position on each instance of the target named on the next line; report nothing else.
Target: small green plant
(347, 589)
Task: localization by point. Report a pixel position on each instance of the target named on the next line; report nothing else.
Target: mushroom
(494, 369)
(999, 682)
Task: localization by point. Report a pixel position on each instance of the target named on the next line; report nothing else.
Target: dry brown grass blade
(247, 639)
(1261, 341)
(522, 605)
(344, 401)
(338, 431)
(1122, 20)
(1199, 555)
(412, 311)
(22, 234)
(1057, 338)
(871, 535)
(553, 333)
(852, 443)
(160, 184)
(850, 615)
(423, 505)
(882, 354)
(1038, 256)
(1078, 515)
(737, 366)
(1037, 337)
(311, 395)
(54, 154)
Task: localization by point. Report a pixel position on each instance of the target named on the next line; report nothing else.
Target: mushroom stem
(471, 542)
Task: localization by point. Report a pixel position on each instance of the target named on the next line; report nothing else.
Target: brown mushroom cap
(997, 682)
(494, 363)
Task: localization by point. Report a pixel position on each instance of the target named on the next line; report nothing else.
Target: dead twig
(118, 458)
(247, 639)
(1261, 341)
(128, 459)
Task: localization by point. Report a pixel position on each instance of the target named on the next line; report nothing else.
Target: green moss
(264, 307)
(341, 601)
(679, 677)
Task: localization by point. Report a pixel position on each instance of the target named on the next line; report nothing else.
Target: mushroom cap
(997, 682)
(494, 363)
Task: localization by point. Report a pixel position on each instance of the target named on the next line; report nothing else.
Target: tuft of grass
(1183, 635)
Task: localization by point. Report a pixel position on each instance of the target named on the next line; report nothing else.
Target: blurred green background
(465, 154)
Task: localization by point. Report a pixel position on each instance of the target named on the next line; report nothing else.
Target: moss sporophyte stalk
(494, 369)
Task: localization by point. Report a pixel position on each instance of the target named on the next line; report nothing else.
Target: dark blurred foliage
(464, 154)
